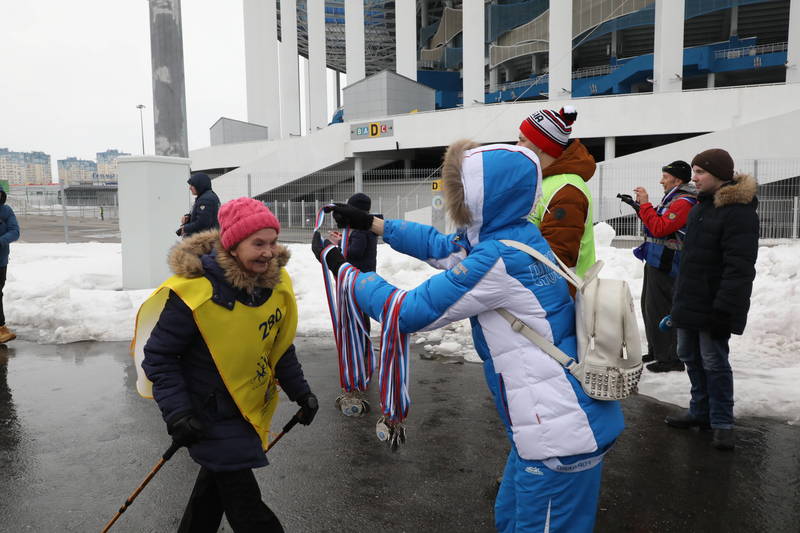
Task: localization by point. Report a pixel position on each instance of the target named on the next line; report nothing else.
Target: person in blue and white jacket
(559, 435)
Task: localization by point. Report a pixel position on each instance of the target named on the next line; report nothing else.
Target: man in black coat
(205, 208)
(712, 292)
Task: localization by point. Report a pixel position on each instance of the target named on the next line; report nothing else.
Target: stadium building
(653, 81)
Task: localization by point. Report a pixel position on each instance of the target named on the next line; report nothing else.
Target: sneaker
(648, 358)
(6, 335)
(723, 439)
(686, 421)
(665, 366)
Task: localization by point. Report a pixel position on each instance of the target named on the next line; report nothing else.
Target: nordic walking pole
(164, 458)
(168, 455)
(289, 425)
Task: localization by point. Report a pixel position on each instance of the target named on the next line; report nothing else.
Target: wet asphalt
(76, 439)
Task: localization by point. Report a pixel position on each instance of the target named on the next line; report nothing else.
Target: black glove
(186, 430)
(720, 327)
(348, 216)
(628, 199)
(335, 259)
(308, 408)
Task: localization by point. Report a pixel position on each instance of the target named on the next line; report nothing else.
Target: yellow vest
(245, 342)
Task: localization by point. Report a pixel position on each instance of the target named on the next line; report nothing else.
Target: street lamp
(141, 123)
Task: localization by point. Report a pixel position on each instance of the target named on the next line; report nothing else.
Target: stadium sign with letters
(371, 130)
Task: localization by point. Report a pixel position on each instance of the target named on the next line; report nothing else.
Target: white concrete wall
(474, 53)
(668, 46)
(317, 89)
(617, 116)
(153, 195)
(355, 59)
(793, 54)
(560, 51)
(405, 16)
(227, 131)
(261, 64)
(290, 75)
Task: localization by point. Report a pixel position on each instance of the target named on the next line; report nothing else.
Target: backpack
(609, 358)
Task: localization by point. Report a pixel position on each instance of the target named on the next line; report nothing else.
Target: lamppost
(141, 123)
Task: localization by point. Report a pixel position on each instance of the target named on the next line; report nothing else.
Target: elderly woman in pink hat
(222, 341)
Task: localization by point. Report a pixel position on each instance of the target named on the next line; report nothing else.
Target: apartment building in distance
(23, 168)
(106, 173)
(73, 171)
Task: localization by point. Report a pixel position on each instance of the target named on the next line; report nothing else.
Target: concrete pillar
(614, 44)
(793, 53)
(405, 15)
(423, 13)
(338, 89)
(560, 51)
(610, 148)
(493, 78)
(358, 175)
(536, 64)
(153, 195)
(317, 75)
(668, 46)
(262, 66)
(290, 75)
(734, 21)
(711, 79)
(354, 40)
(473, 60)
(169, 94)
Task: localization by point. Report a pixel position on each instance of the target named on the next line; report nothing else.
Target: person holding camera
(205, 208)
(665, 227)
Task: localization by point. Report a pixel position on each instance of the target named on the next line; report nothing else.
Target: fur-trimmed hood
(742, 190)
(489, 189)
(186, 260)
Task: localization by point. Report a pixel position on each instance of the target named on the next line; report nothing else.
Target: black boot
(724, 439)
(665, 366)
(687, 421)
(648, 358)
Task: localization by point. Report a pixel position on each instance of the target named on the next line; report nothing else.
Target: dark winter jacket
(178, 362)
(362, 250)
(9, 231)
(206, 206)
(719, 256)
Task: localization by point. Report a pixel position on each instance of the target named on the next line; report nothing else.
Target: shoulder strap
(548, 347)
(565, 272)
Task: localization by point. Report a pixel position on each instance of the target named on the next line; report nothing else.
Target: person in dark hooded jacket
(9, 232)
(205, 208)
(712, 291)
(222, 343)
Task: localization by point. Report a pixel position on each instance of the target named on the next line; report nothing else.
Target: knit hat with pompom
(240, 218)
(550, 130)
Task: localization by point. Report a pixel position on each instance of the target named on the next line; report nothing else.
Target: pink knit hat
(240, 218)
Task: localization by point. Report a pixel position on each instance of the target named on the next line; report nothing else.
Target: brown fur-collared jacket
(719, 256)
(178, 362)
(564, 221)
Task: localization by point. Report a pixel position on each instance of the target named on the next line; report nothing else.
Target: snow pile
(58, 293)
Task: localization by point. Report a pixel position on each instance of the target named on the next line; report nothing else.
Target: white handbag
(609, 359)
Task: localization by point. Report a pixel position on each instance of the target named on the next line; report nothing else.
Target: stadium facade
(653, 81)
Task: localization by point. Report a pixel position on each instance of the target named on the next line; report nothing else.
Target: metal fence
(409, 194)
(778, 194)
(89, 202)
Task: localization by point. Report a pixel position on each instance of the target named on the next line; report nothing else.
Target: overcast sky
(73, 72)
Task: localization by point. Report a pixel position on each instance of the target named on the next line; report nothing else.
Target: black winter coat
(205, 209)
(362, 250)
(719, 256)
(185, 378)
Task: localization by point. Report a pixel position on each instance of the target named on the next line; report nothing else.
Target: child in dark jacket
(222, 343)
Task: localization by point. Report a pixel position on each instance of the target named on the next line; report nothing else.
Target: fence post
(358, 175)
(600, 194)
(302, 213)
(289, 213)
(249, 186)
(64, 210)
(795, 209)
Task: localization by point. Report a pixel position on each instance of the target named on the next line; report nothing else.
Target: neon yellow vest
(245, 342)
(550, 186)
